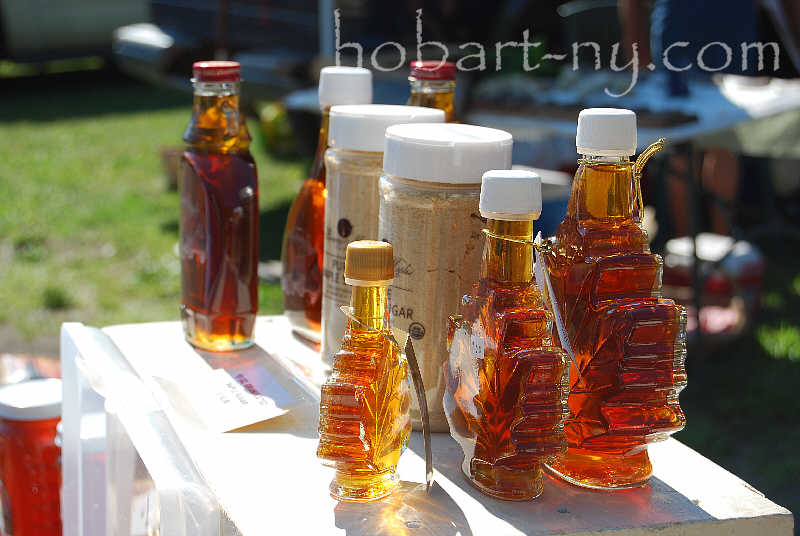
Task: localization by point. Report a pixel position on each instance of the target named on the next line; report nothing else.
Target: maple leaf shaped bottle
(506, 383)
(628, 341)
(364, 421)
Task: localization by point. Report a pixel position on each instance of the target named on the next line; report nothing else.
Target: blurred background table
(730, 112)
(127, 424)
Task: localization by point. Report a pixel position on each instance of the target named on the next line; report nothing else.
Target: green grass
(742, 404)
(781, 342)
(88, 227)
(10, 69)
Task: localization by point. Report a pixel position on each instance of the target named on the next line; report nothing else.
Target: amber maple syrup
(433, 86)
(364, 410)
(219, 216)
(506, 382)
(303, 244)
(304, 237)
(629, 342)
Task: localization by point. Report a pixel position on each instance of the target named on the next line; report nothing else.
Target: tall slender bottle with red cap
(433, 86)
(304, 237)
(219, 215)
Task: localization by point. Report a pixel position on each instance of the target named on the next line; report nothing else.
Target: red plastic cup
(30, 469)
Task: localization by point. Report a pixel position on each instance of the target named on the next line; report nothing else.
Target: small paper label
(477, 345)
(238, 397)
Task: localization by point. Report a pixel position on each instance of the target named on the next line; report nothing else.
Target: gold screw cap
(369, 263)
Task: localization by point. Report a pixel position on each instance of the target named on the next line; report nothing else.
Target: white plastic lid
(447, 152)
(606, 132)
(31, 400)
(511, 195)
(344, 85)
(361, 127)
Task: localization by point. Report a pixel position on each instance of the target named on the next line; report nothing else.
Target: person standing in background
(696, 23)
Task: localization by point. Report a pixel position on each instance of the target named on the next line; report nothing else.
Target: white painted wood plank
(268, 478)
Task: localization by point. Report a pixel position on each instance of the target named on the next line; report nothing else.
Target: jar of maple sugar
(353, 163)
(429, 194)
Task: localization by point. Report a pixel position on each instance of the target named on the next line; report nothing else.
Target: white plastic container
(353, 164)
(124, 470)
(429, 212)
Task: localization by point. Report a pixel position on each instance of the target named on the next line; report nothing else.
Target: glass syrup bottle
(304, 236)
(629, 342)
(219, 215)
(364, 422)
(506, 383)
(433, 86)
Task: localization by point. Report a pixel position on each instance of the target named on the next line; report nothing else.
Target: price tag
(477, 346)
(228, 399)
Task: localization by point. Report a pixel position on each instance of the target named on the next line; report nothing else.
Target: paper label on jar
(334, 287)
(437, 250)
(351, 213)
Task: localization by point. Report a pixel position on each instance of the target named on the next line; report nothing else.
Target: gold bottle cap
(369, 263)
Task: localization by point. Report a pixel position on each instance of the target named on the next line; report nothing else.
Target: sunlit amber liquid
(438, 94)
(219, 228)
(628, 341)
(303, 246)
(364, 410)
(506, 403)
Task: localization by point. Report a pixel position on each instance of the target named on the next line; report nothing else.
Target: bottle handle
(641, 160)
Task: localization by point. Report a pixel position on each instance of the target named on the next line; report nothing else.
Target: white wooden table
(267, 479)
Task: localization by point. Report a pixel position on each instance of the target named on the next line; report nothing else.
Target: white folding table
(166, 472)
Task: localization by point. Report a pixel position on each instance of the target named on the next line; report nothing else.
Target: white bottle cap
(606, 132)
(511, 195)
(362, 127)
(447, 152)
(31, 400)
(344, 85)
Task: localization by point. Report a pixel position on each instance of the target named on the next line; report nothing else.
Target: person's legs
(720, 174)
(678, 189)
(719, 171)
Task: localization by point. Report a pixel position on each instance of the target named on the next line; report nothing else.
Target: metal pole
(325, 22)
(221, 52)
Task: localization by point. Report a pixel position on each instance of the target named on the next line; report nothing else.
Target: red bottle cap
(216, 71)
(433, 70)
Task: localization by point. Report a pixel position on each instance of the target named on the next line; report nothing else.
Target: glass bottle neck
(216, 89)
(504, 260)
(595, 158)
(431, 86)
(217, 124)
(318, 166)
(211, 95)
(606, 188)
(439, 94)
(370, 306)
